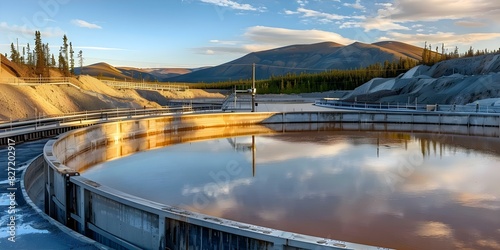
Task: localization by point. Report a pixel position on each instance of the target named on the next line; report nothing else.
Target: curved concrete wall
(124, 221)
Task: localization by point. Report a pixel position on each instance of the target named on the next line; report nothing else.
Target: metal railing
(34, 80)
(96, 116)
(145, 85)
(471, 108)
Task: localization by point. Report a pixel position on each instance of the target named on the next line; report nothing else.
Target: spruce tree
(72, 59)
(40, 66)
(14, 54)
(80, 60)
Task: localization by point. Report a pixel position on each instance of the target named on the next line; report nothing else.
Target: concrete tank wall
(124, 221)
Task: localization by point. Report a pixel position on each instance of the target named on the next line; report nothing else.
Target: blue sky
(195, 33)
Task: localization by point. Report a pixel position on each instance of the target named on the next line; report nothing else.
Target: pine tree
(426, 55)
(40, 67)
(65, 48)
(46, 52)
(53, 61)
(14, 54)
(72, 59)
(63, 57)
(30, 55)
(443, 54)
(80, 60)
(23, 59)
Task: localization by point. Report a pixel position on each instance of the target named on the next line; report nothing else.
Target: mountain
(148, 74)
(304, 58)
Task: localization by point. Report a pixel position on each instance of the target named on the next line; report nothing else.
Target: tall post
(253, 87)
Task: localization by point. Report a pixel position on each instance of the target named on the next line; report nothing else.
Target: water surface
(397, 190)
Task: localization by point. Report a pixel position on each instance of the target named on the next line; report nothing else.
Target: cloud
(302, 3)
(403, 11)
(282, 36)
(85, 24)
(321, 17)
(434, 10)
(223, 42)
(258, 38)
(356, 5)
(291, 12)
(29, 31)
(381, 24)
(233, 5)
(470, 24)
(212, 50)
(441, 37)
(99, 48)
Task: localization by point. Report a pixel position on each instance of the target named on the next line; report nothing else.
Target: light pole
(253, 87)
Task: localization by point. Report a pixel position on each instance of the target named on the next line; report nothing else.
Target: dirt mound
(458, 81)
(20, 102)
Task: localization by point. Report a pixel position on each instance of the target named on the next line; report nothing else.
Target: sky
(197, 33)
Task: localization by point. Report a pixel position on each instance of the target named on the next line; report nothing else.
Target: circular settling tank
(396, 190)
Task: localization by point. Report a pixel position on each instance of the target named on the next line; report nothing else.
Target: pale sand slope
(17, 102)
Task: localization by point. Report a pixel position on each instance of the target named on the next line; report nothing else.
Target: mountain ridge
(298, 58)
(308, 58)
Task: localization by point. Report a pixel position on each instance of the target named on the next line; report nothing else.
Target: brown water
(396, 190)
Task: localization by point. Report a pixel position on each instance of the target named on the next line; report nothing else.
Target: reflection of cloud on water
(216, 189)
(434, 229)
(486, 201)
(335, 189)
(270, 150)
(272, 215)
(489, 243)
(469, 181)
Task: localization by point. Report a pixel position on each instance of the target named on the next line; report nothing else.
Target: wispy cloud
(258, 38)
(382, 24)
(393, 16)
(85, 24)
(29, 31)
(470, 24)
(282, 36)
(99, 48)
(356, 5)
(223, 42)
(234, 5)
(302, 3)
(319, 16)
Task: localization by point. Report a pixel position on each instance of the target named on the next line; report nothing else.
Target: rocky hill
(457, 81)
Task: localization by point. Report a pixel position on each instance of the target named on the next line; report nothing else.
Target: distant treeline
(318, 82)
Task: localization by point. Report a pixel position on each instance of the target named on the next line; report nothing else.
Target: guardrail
(472, 108)
(37, 81)
(51, 125)
(34, 80)
(145, 85)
